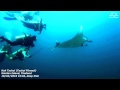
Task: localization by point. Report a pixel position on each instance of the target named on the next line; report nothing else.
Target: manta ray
(78, 40)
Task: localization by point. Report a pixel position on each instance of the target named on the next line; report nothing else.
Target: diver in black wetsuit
(24, 40)
(38, 26)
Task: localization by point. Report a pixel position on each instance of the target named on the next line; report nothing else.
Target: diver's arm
(28, 56)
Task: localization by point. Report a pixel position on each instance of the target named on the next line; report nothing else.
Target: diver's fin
(10, 18)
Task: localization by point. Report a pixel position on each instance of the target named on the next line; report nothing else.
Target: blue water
(99, 60)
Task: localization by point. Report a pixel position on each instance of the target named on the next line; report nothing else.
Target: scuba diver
(20, 15)
(23, 40)
(36, 26)
(20, 54)
(6, 49)
(13, 15)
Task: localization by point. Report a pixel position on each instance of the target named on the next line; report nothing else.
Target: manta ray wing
(76, 41)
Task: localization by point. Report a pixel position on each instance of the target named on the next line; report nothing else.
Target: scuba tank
(21, 37)
(24, 39)
(18, 55)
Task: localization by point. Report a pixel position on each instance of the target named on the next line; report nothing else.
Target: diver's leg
(15, 43)
(8, 41)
